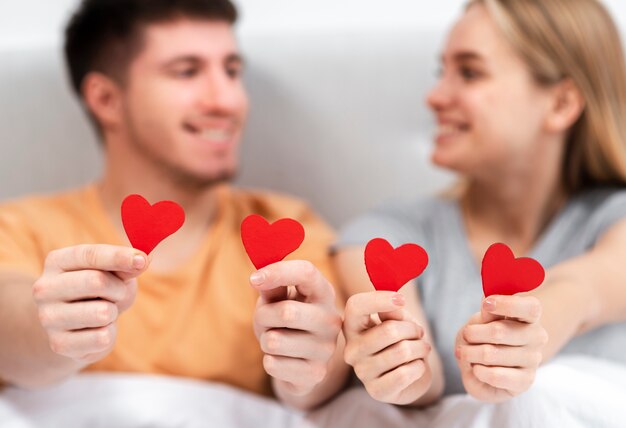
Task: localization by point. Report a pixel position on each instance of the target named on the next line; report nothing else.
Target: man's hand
(500, 348)
(296, 322)
(80, 294)
(390, 355)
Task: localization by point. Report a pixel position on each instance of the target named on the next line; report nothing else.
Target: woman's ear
(567, 106)
(102, 96)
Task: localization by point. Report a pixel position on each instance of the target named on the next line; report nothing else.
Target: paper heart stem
(389, 268)
(503, 274)
(147, 225)
(268, 243)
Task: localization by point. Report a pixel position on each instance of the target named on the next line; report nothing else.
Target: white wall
(39, 22)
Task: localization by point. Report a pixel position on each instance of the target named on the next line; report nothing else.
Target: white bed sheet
(569, 392)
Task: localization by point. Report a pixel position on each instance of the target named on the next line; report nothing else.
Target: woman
(530, 106)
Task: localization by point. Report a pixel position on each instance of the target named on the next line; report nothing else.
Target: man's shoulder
(270, 204)
(46, 205)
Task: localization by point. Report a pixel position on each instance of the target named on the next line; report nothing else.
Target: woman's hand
(389, 353)
(500, 348)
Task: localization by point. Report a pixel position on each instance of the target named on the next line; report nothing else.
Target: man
(161, 80)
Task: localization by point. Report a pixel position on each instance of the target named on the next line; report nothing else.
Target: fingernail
(398, 300)
(139, 262)
(489, 304)
(257, 278)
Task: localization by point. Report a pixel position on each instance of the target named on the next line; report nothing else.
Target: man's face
(184, 102)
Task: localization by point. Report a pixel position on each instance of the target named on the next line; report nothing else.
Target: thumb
(485, 315)
(276, 293)
(141, 262)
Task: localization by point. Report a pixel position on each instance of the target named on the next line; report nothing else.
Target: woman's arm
(500, 348)
(353, 279)
(585, 292)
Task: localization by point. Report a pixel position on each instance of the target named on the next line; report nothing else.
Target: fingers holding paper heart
(309, 285)
(519, 307)
(362, 306)
(384, 343)
(308, 306)
(80, 294)
(84, 288)
(498, 358)
(386, 347)
(297, 329)
(500, 348)
(295, 320)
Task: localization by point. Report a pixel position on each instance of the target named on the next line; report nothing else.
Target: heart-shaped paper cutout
(503, 274)
(268, 243)
(147, 225)
(389, 268)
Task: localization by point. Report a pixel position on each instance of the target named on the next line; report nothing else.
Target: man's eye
(233, 72)
(185, 72)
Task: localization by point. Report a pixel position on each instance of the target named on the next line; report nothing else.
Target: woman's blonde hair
(575, 39)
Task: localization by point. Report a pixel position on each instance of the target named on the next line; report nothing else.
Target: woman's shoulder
(396, 221)
(602, 196)
(416, 209)
(593, 212)
(601, 202)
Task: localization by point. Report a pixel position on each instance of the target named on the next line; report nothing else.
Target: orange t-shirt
(195, 321)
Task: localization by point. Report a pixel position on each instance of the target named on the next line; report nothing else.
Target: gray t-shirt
(450, 288)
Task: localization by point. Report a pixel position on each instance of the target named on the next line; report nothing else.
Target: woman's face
(489, 110)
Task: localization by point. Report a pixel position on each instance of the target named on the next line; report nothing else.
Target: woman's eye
(469, 73)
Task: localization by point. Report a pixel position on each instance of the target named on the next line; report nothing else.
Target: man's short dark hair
(105, 35)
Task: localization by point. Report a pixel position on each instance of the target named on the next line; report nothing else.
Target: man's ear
(102, 96)
(567, 106)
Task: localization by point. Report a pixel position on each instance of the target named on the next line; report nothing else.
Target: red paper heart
(503, 274)
(268, 243)
(146, 225)
(390, 269)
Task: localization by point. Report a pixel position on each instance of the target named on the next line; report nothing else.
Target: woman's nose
(439, 96)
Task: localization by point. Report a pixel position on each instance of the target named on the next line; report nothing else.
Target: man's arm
(25, 355)
(53, 326)
(334, 381)
(298, 326)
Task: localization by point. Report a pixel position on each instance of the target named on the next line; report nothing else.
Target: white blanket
(569, 392)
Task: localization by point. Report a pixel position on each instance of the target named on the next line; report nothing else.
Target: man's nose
(220, 94)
